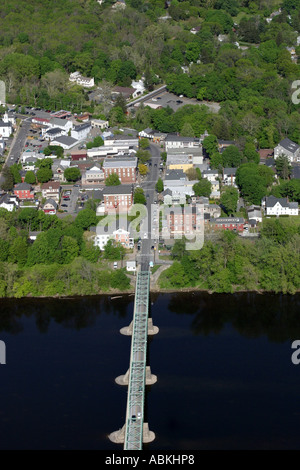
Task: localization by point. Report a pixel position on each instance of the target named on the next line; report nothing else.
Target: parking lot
(69, 199)
(165, 99)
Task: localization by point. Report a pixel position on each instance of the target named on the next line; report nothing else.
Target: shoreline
(119, 294)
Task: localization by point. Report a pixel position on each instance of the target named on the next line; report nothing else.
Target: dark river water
(223, 363)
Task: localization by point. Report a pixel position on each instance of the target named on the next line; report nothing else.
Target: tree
(112, 180)
(210, 144)
(8, 182)
(187, 130)
(216, 161)
(283, 166)
(72, 174)
(143, 169)
(228, 200)
(139, 196)
(143, 156)
(192, 174)
(231, 157)
(159, 185)
(119, 280)
(30, 177)
(15, 170)
(203, 188)
(178, 250)
(144, 143)
(44, 175)
(85, 219)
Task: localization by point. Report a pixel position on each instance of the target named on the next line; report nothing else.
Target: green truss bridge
(135, 431)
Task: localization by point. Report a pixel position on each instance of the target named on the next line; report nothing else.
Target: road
(149, 189)
(17, 145)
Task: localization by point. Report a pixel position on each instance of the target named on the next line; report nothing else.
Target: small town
(149, 226)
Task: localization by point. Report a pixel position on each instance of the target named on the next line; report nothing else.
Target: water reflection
(251, 314)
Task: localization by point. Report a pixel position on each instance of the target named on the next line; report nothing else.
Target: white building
(289, 149)
(120, 235)
(65, 142)
(81, 131)
(99, 124)
(94, 175)
(82, 81)
(9, 202)
(279, 206)
(176, 141)
(5, 129)
(139, 88)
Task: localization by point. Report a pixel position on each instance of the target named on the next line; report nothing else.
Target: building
(6, 129)
(223, 144)
(64, 124)
(9, 202)
(50, 207)
(228, 223)
(139, 88)
(279, 206)
(81, 131)
(92, 176)
(124, 166)
(40, 121)
(175, 141)
(179, 162)
(184, 220)
(65, 142)
(23, 191)
(126, 92)
(254, 213)
(120, 141)
(131, 266)
(120, 236)
(229, 176)
(79, 79)
(58, 169)
(53, 133)
(51, 190)
(99, 124)
(118, 198)
(289, 149)
(78, 155)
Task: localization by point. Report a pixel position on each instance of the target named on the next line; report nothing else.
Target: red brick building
(24, 191)
(118, 198)
(184, 220)
(228, 223)
(78, 155)
(124, 167)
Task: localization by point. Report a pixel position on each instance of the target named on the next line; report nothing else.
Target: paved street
(149, 189)
(17, 145)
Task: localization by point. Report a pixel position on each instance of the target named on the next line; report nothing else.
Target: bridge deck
(137, 370)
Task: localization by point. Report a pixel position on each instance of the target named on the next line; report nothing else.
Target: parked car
(115, 265)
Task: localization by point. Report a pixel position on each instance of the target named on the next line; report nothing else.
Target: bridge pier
(118, 437)
(149, 380)
(152, 330)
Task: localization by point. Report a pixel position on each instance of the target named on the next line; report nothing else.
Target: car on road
(145, 235)
(155, 164)
(64, 205)
(115, 265)
(178, 101)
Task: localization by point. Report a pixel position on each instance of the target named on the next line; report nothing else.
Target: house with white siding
(279, 206)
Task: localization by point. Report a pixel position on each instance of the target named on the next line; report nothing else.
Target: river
(223, 363)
